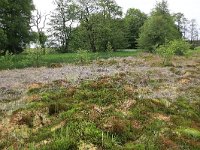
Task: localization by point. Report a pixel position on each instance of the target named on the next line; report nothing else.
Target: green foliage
(158, 29)
(15, 22)
(180, 47)
(26, 60)
(104, 30)
(83, 56)
(34, 56)
(166, 53)
(3, 41)
(79, 39)
(190, 132)
(109, 48)
(175, 47)
(61, 22)
(42, 39)
(134, 20)
(7, 59)
(99, 26)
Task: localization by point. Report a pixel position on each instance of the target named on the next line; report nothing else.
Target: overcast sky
(190, 8)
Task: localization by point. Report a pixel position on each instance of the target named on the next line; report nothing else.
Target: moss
(190, 132)
(133, 146)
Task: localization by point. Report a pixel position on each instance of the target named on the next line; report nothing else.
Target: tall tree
(39, 22)
(193, 31)
(182, 23)
(88, 8)
(158, 29)
(97, 17)
(15, 19)
(3, 41)
(62, 21)
(134, 20)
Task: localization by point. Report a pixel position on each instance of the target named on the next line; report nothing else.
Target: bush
(34, 56)
(7, 60)
(176, 47)
(83, 56)
(197, 48)
(109, 48)
(180, 47)
(166, 53)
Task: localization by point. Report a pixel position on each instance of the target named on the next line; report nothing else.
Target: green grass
(24, 60)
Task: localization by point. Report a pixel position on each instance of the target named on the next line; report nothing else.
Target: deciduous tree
(62, 22)
(15, 19)
(134, 20)
(158, 29)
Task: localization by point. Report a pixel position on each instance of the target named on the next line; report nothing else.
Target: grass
(103, 114)
(50, 60)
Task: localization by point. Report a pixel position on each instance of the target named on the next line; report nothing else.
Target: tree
(110, 9)
(39, 22)
(134, 20)
(88, 8)
(15, 22)
(99, 26)
(96, 18)
(97, 21)
(105, 30)
(182, 23)
(3, 41)
(62, 21)
(193, 31)
(158, 29)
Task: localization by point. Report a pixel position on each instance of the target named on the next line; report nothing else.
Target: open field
(116, 103)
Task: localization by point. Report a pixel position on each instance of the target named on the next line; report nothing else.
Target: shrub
(34, 56)
(180, 47)
(109, 48)
(175, 47)
(83, 56)
(7, 59)
(166, 53)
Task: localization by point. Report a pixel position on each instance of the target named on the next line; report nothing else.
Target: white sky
(190, 8)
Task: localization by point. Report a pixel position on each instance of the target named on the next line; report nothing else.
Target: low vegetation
(169, 50)
(155, 108)
(105, 99)
(36, 59)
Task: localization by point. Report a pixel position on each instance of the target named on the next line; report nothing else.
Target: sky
(190, 8)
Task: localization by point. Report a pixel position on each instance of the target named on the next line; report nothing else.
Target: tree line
(90, 25)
